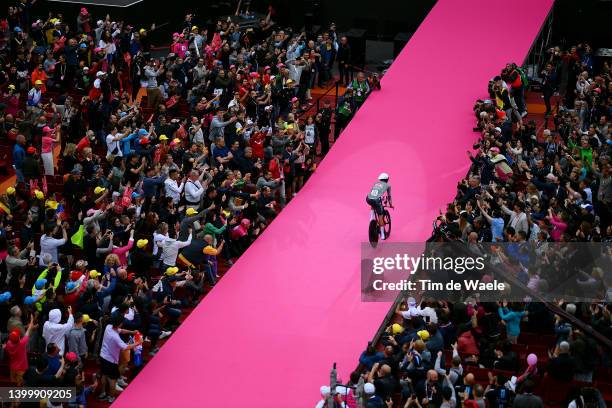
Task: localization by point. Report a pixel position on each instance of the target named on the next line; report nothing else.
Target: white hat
(342, 390)
(325, 390)
(498, 129)
(369, 388)
(249, 122)
(100, 74)
(564, 347)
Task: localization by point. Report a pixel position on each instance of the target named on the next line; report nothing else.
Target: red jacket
(466, 344)
(275, 168)
(257, 144)
(18, 360)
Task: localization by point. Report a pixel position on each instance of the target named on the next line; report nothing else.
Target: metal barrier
(537, 52)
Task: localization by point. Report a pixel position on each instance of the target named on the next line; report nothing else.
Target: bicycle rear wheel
(387, 227)
(373, 233)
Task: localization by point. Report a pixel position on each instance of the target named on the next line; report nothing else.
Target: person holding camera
(152, 70)
(549, 86)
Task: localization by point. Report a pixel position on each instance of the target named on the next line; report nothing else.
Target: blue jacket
(369, 361)
(100, 295)
(512, 319)
(150, 185)
(126, 144)
(18, 156)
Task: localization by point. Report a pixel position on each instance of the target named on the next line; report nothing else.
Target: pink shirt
(559, 228)
(47, 144)
(121, 252)
(179, 49)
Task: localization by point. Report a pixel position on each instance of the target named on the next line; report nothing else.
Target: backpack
(524, 77)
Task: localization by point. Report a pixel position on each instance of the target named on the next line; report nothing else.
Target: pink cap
(175, 34)
(294, 99)
(84, 11)
(97, 49)
(71, 356)
(47, 129)
(254, 75)
(267, 67)
(91, 212)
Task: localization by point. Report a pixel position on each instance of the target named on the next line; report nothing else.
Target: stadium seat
(554, 392)
(606, 390)
(480, 374)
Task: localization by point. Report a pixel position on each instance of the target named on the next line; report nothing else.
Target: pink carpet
(269, 333)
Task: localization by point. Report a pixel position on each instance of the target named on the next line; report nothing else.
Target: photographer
(549, 86)
(152, 70)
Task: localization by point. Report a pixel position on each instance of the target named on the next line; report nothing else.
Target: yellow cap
(191, 211)
(11, 86)
(86, 318)
(172, 270)
(163, 137)
(141, 243)
(10, 190)
(423, 334)
(38, 82)
(99, 190)
(142, 30)
(39, 194)
(397, 328)
(93, 274)
(52, 204)
(176, 140)
(194, 28)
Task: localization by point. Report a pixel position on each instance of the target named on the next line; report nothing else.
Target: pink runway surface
(268, 334)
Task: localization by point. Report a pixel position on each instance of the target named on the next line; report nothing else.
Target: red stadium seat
(605, 388)
(505, 373)
(480, 374)
(602, 374)
(554, 392)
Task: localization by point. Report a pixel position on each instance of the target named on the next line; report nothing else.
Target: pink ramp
(268, 334)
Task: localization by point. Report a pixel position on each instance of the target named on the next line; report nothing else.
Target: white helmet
(383, 177)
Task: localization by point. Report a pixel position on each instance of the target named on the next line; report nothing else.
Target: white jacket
(54, 332)
(193, 191)
(170, 250)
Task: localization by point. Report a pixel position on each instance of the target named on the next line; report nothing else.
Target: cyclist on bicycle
(376, 194)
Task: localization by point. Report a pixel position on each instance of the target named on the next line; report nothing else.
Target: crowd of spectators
(168, 169)
(441, 354)
(531, 185)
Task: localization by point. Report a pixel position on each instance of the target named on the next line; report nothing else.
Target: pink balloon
(532, 359)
